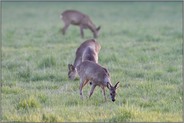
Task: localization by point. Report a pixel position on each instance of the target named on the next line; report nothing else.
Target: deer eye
(110, 93)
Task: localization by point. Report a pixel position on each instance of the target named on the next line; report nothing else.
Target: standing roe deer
(79, 19)
(98, 75)
(88, 50)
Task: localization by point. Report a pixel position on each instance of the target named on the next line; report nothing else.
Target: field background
(141, 47)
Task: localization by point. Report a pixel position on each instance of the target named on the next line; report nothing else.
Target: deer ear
(108, 85)
(98, 28)
(117, 85)
(71, 67)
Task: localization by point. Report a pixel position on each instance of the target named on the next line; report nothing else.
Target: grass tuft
(24, 73)
(48, 61)
(123, 116)
(28, 103)
(9, 90)
(43, 98)
(49, 118)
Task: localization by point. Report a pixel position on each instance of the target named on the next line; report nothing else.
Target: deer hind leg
(92, 90)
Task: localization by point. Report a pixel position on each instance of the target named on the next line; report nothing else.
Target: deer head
(97, 32)
(112, 90)
(72, 72)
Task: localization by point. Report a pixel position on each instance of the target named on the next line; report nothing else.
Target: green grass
(141, 47)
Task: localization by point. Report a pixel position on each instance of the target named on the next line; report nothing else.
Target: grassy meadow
(141, 47)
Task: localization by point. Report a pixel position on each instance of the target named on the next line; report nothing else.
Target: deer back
(90, 54)
(89, 46)
(88, 70)
(73, 17)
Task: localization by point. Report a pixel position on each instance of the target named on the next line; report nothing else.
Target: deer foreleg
(103, 91)
(81, 86)
(65, 28)
(81, 32)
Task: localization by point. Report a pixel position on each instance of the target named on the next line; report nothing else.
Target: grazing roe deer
(98, 75)
(88, 50)
(79, 19)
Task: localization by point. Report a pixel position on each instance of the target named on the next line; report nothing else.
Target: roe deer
(79, 19)
(88, 50)
(98, 75)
